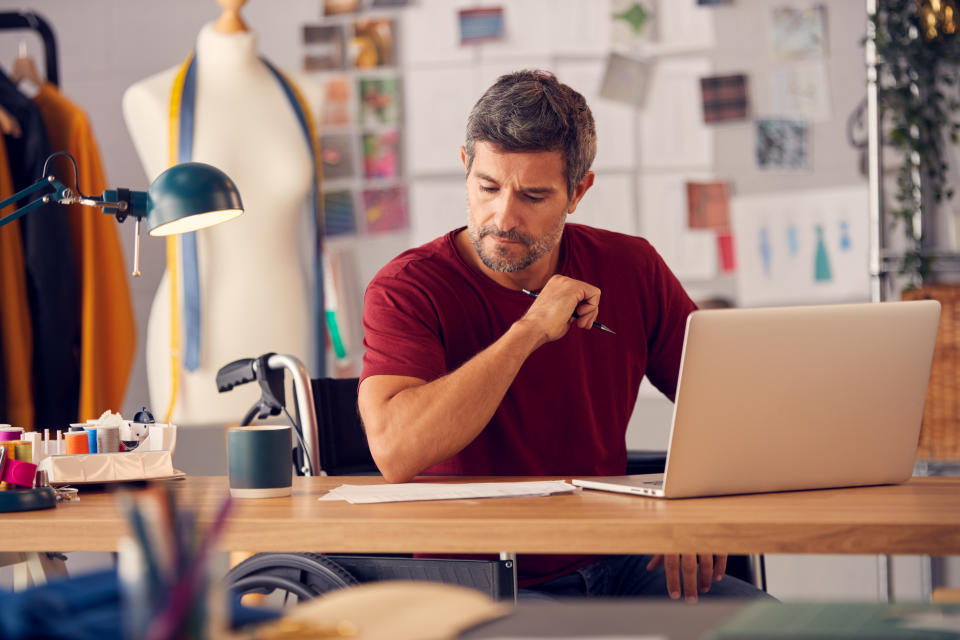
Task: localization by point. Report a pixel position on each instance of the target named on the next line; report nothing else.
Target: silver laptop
(786, 398)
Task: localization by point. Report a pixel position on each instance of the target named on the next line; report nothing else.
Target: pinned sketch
(797, 32)
(634, 22)
(708, 205)
(782, 144)
(726, 252)
(335, 111)
(338, 211)
(379, 101)
(336, 151)
(800, 91)
(481, 25)
(802, 247)
(381, 155)
(724, 98)
(372, 44)
(323, 48)
(625, 80)
(386, 209)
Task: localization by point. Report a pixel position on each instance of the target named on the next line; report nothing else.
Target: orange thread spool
(77, 442)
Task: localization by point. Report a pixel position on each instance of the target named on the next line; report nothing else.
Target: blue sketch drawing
(765, 249)
(844, 236)
(821, 269)
(792, 239)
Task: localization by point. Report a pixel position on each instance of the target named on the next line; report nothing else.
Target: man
(465, 373)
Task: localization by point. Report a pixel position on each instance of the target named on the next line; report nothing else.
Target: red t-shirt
(566, 414)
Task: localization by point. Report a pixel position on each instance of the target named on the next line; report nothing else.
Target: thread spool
(91, 439)
(19, 473)
(8, 433)
(108, 439)
(77, 442)
(23, 451)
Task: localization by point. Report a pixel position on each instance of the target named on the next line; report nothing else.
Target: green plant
(918, 50)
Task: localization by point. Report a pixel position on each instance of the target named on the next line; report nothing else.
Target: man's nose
(506, 215)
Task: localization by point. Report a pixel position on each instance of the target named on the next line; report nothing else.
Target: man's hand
(553, 309)
(684, 570)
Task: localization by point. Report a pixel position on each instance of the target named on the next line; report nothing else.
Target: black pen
(596, 325)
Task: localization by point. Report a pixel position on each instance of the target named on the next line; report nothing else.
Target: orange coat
(16, 332)
(107, 324)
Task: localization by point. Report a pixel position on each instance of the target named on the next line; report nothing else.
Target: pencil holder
(164, 568)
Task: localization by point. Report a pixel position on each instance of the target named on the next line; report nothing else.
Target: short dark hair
(531, 110)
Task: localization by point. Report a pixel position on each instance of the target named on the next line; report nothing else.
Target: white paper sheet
(436, 207)
(616, 122)
(431, 34)
(437, 103)
(673, 134)
(579, 27)
(690, 254)
(799, 90)
(802, 247)
(415, 491)
(609, 204)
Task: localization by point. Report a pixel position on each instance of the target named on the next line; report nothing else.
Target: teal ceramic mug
(259, 461)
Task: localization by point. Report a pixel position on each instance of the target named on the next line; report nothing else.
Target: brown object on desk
(919, 517)
(940, 434)
(389, 610)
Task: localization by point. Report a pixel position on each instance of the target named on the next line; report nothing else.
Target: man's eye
(488, 189)
(533, 198)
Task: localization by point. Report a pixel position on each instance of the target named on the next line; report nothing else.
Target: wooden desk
(920, 517)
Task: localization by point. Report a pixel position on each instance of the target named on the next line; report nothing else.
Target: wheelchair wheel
(278, 576)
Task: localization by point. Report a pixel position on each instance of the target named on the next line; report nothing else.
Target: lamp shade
(191, 196)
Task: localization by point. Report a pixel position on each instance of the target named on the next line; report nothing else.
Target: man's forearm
(425, 424)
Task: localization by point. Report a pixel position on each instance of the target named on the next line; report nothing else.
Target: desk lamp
(186, 197)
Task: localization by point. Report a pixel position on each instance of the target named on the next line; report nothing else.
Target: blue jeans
(627, 576)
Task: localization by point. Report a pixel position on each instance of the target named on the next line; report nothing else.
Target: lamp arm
(58, 191)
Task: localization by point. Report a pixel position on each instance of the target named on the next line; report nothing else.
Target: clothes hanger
(24, 69)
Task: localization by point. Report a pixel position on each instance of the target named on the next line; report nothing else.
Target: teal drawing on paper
(792, 244)
(822, 272)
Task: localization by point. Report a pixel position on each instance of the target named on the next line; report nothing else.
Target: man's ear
(579, 191)
(463, 158)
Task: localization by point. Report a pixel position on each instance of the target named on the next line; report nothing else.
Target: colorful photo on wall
(335, 111)
(372, 44)
(386, 209)
(379, 101)
(798, 32)
(724, 98)
(782, 144)
(481, 25)
(337, 7)
(337, 154)
(708, 205)
(381, 155)
(339, 215)
(323, 48)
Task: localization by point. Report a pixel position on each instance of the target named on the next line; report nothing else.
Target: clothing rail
(32, 21)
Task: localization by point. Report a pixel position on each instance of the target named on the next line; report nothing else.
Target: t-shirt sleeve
(401, 331)
(665, 340)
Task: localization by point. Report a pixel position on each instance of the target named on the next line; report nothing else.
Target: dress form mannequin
(254, 271)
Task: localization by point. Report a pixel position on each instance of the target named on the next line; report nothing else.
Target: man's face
(516, 206)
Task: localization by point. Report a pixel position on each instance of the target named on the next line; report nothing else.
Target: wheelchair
(331, 441)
